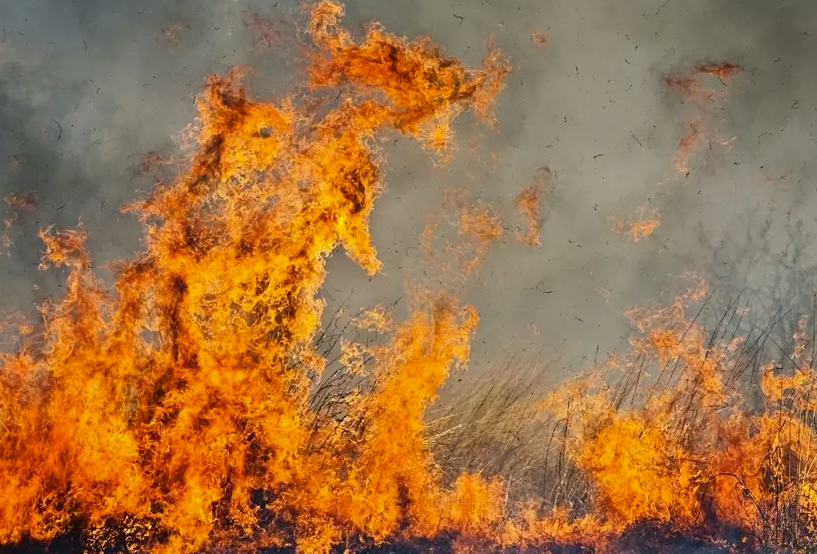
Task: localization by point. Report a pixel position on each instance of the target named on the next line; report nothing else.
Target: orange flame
(690, 87)
(529, 203)
(177, 410)
(477, 227)
(687, 144)
(188, 410)
(538, 39)
(646, 222)
(17, 206)
(723, 70)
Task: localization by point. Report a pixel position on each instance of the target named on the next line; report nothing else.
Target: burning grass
(197, 407)
(177, 408)
(691, 438)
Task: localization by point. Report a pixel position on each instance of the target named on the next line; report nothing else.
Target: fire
(17, 207)
(690, 87)
(689, 454)
(477, 226)
(687, 144)
(529, 204)
(538, 38)
(723, 71)
(647, 220)
(189, 409)
(174, 414)
(26, 200)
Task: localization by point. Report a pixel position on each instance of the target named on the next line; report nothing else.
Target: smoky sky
(89, 87)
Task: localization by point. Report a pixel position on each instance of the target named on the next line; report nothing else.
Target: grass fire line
(195, 407)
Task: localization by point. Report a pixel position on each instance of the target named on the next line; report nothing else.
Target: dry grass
(496, 426)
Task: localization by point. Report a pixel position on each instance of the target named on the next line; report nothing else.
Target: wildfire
(644, 225)
(700, 97)
(17, 206)
(529, 204)
(687, 144)
(477, 226)
(175, 413)
(189, 409)
(538, 39)
(723, 71)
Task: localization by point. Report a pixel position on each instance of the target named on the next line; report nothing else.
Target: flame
(644, 225)
(26, 200)
(687, 144)
(689, 86)
(538, 39)
(529, 204)
(723, 70)
(690, 455)
(17, 207)
(189, 409)
(477, 226)
(177, 409)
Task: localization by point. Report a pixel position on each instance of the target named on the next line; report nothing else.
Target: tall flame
(188, 410)
(178, 408)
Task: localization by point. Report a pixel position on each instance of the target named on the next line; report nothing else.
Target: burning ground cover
(689, 439)
(196, 408)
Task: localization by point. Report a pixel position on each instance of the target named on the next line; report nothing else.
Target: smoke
(88, 88)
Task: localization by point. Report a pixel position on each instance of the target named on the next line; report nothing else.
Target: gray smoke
(87, 88)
